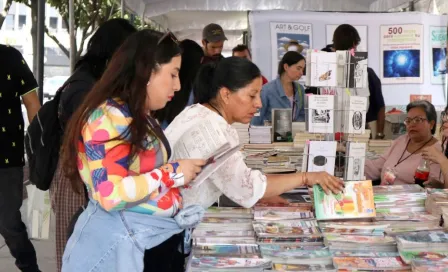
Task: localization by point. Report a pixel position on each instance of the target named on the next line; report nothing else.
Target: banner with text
(284, 37)
(438, 39)
(402, 54)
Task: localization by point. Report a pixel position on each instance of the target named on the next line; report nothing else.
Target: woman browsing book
(229, 92)
(399, 163)
(115, 148)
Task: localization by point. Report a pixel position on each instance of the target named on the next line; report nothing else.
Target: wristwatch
(380, 135)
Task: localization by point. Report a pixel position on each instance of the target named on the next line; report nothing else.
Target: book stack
(425, 245)
(224, 240)
(300, 139)
(260, 134)
(273, 158)
(379, 146)
(356, 242)
(358, 138)
(243, 132)
(289, 236)
(427, 265)
(437, 199)
(399, 199)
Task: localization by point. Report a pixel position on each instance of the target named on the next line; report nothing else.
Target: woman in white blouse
(228, 92)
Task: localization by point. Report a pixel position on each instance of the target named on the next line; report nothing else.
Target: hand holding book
(329, 183)
(190, 168)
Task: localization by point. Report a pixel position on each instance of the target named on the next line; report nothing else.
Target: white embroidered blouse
(233, 179)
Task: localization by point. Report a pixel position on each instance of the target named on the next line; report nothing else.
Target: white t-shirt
(233, 179)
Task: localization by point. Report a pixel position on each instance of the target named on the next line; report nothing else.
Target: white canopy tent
(187, 18)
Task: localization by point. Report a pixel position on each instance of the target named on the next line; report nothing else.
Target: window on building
(22, 21)
(64, 25)
(54, 22)
(9, 22)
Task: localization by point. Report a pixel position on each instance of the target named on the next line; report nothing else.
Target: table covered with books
(365, 228)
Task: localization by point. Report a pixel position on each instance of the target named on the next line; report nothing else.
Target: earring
(149, 82)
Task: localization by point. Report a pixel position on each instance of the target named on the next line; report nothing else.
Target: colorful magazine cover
(406, 188)
(369, 263)
(287, 214)
(302, 267)
(294, 252)
(355, 202)
(429, 265)
(408, 256)
(340, 253)
(286, 228)
(309, 240)
(225, 262)
(354, 231)
(423, 238)
(226, 250)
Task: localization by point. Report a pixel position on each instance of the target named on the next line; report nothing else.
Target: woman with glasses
(398, 164)
(115, 148)
(433, 154)
(284, 92)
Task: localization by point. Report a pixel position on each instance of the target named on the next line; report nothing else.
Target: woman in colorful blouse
(284, 92)
(229, 92)
(120, 153)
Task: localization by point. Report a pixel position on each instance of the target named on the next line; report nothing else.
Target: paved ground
(45, 249)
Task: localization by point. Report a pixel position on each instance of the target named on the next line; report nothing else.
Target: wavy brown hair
(125, 78)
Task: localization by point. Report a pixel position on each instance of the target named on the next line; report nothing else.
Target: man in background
(213, 39)
(243, 51)
(16, 81)
(346, 37)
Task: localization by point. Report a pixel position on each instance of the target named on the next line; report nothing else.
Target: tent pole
(71, 22)
(40, 48)
(122, 8)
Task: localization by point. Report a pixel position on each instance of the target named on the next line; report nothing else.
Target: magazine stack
(289, 236)
(260, 134)
(424, 245)
(437, 199)
(243, 132)
(225, 241)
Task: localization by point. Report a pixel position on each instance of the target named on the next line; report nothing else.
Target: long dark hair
(192, 54)
(125, 78)
(233, 73)
(106, 40)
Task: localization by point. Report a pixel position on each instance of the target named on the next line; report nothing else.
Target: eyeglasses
(415, 120)
(170, 35)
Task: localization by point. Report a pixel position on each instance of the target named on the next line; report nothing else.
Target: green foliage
(89, 15)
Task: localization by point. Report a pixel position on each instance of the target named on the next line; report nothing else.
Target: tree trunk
(34, 33)
(5, 12)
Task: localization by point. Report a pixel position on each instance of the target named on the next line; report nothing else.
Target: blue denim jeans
(116, 241)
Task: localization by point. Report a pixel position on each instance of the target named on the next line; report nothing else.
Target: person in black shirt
(346, 37)
(16, 81)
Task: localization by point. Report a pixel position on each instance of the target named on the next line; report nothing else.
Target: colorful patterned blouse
(146, 184)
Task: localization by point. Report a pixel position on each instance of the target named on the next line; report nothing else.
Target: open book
(206, 141)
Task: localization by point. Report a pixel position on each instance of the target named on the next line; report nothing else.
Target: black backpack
(43, 141)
